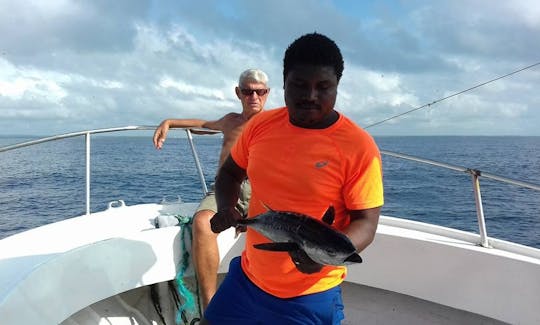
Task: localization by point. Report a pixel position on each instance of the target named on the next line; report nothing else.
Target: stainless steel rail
(475, 174)
(463, 169)
(88, 134)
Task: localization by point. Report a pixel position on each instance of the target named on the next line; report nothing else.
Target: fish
(310, 242)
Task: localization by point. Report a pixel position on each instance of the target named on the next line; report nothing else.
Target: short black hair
(314, 49)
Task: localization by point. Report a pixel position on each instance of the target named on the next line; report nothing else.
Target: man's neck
(246, 116)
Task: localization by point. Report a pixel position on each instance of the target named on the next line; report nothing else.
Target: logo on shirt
(321, 164)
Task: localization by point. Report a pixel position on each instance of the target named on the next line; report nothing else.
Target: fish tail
(266, 207)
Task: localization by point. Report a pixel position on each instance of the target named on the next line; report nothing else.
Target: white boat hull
(80, 270)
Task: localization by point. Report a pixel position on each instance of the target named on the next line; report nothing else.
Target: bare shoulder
(233, 123)
(223, 123)
(232, 120)
(231, 115)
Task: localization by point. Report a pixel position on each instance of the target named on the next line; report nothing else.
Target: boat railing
(474, 173)
(475, 177)
(88, 134)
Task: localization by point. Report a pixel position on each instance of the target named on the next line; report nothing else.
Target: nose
(312, 94)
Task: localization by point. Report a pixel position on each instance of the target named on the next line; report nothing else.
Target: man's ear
(237, 91)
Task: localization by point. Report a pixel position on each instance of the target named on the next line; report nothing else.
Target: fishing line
(453, 95)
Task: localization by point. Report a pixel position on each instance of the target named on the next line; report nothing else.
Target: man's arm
(229, 178)
(361, 230)
(161, 132)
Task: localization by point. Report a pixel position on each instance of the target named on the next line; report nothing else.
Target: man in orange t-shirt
(304, 158)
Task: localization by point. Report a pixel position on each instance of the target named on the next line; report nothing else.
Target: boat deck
(368, 305)
(363, 305)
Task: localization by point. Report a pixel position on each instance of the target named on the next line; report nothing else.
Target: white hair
(253, 75)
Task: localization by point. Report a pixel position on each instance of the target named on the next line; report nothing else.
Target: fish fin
(304, 263)
(354, 258)
(266, 207)
(277, 247)
(328, 217)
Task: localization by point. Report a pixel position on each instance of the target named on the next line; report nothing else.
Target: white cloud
(187, 89)
(20, 87)
(88, 64)
(30, 84)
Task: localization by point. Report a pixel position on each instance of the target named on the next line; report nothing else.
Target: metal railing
(475, 174)
(88, 134)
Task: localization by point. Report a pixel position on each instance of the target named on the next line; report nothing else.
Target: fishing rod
(453, 95)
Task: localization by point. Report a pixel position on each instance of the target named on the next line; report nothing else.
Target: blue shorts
(240, 302)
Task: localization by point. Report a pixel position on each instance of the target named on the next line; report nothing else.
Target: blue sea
(45, 183)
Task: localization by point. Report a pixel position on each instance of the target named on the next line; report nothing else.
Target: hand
(161, 134)
(224, 219)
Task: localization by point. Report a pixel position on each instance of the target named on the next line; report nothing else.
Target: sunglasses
(249, 92)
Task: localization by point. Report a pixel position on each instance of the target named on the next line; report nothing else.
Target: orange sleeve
(364, 188)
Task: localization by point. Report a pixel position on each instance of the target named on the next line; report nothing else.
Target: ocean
(45, 183)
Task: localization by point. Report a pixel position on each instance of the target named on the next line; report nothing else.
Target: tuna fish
(310, 242)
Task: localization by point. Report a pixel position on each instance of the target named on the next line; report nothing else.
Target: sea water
(45, 183)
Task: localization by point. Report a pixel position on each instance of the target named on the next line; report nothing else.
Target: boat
(130, 264)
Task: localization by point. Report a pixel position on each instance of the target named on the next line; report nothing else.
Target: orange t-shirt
(305, 171)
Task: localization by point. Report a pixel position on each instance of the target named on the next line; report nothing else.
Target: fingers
(223, 220)
(160, 135)
(239, 229)
(220, 222)
(159, 143)
(158, 139)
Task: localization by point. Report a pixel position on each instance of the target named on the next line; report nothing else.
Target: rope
(189, 301)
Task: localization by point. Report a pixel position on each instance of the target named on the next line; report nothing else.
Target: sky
(69, 66)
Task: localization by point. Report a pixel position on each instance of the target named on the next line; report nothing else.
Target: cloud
(93, 64)
(43, 28)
